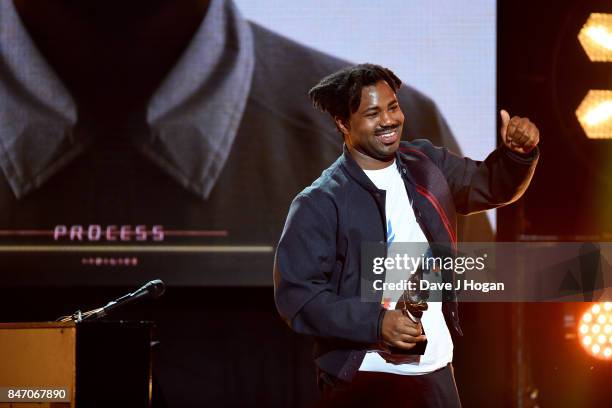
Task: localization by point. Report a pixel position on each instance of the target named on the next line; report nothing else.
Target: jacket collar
(355, 172)
(192, 118)
(352, 168)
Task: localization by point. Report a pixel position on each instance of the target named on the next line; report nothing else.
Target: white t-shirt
(402, 226)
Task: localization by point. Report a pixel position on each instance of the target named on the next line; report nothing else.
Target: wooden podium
(89, 364)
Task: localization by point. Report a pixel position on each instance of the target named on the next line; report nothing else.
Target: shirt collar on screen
(193, 117)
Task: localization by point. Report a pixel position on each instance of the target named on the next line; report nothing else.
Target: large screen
(194, 187)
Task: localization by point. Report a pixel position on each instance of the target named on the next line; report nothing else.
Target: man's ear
(342, 126)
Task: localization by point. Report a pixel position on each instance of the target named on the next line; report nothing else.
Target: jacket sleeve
(303, 267)
(500, 179)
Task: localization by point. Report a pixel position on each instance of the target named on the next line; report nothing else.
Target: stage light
(593, 331)
(595, 114)
(596, 37)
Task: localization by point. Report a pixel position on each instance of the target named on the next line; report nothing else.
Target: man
(376, 185)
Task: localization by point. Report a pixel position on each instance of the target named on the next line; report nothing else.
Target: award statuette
(412, 303)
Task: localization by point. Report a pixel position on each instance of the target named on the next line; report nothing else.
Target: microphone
(150, 290)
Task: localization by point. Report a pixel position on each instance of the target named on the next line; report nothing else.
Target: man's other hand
(518, 134)
(399, 331)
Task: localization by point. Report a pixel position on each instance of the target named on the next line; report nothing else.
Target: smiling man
(378, 185)
(375, 129)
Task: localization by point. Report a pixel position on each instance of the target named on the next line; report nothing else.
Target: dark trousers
(436, 389)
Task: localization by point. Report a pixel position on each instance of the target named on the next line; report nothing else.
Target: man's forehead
(374, 94)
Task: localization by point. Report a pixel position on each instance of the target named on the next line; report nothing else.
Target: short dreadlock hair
(339, 94)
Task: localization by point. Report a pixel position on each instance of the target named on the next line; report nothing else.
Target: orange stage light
(595, 330)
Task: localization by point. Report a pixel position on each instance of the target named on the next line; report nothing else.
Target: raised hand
(518, 134)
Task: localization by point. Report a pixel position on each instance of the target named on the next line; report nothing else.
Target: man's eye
(372, 115)
(393, 108)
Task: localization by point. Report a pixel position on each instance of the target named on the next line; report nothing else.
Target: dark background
(543, 73)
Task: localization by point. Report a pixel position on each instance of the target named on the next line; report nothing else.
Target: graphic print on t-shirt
(390, 233)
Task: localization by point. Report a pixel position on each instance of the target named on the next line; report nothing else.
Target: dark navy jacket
(317, 267)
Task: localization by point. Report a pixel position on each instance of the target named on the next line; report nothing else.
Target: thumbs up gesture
(518, 134)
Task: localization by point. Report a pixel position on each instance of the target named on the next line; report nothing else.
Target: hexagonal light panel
(595, 114)
(596, 37)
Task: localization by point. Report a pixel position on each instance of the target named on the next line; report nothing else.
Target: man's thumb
(505, 118)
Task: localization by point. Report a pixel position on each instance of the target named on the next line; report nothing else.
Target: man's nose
(386, 119)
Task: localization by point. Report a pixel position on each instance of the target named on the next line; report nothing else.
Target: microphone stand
(152, 289)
